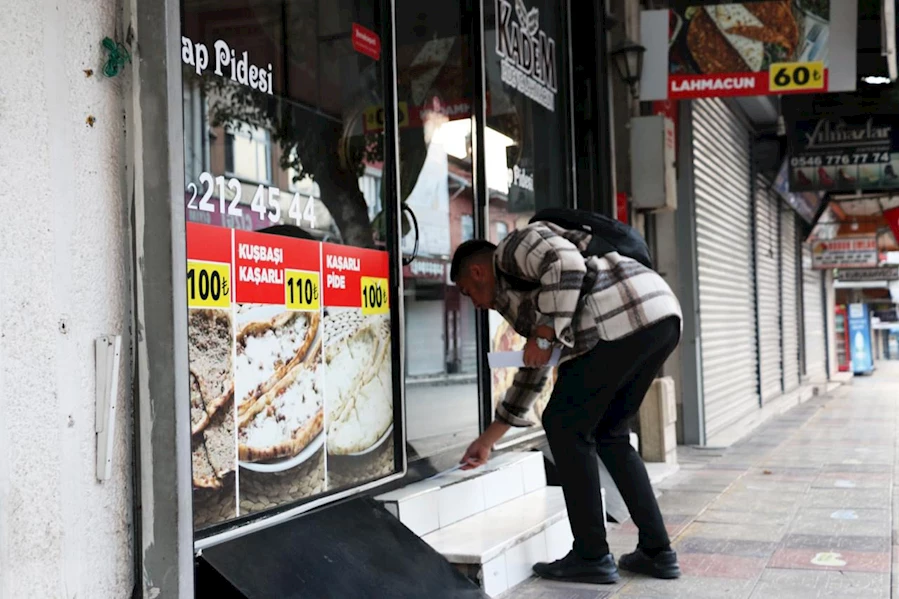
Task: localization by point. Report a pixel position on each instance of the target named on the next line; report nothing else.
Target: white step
(439, 502)
(499, 547)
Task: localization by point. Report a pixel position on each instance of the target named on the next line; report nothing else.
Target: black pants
(588, 414)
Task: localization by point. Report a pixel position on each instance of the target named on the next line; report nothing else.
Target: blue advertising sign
(860, 339)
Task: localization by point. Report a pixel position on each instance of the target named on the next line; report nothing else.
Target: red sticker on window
(366, 41)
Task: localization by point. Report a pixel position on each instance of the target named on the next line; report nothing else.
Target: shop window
(248, 154)
(280, 149)
(370, 184)
(467, 227)
(502, 230)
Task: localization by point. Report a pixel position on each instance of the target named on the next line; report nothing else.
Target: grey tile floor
(801, 508)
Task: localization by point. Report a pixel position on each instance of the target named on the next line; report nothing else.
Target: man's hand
(478, 452)
(534, 357)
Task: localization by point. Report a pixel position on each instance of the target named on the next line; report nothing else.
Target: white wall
(63, 258)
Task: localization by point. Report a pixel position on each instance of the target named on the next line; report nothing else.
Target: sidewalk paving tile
(742, 532)
(674, 523)
(721, 566)
(856, 465)
(714, 481)
(848, 498)
(895, 575)
(766, 485)
(785, 474)
(685, 502)
(755, 518)
(840, 553)
(687, 587)
(801, 508)
(853, 480)
(734, 547)
(840, 561)
(878, 544)
(754, 501)
(848, 522)
(797, 584)
(545, 589)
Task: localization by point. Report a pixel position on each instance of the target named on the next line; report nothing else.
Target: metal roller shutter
(789, 284)
(723, 209)
(767, 280)
(813, 319)
(424, 338)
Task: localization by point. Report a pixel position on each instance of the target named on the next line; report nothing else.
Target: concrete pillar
(830, 306)
(658, 416)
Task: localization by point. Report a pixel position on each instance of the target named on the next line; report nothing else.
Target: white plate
(287, 463)
(377, 445)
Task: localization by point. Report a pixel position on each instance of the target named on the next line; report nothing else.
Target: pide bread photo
(210, 338)
(211, 382)
(284, 419)
(278, 382)
(267, 349)
(358, 380)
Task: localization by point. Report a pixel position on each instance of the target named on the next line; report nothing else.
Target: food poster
(745, 49)
(264, 346)
(504, 338)
(211, 350)
(357, 365)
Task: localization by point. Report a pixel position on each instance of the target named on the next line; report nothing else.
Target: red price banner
(265, 270)
(344, 269)
(209, 282)
(208, 244)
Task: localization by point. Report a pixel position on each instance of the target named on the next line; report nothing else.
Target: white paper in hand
(515, 359)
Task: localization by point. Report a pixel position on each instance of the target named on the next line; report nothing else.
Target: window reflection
(527, 138)
(312, 135)
(435, 86)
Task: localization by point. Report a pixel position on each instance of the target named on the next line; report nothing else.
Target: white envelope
(515, 359)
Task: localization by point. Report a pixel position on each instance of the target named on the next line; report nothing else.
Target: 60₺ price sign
(796, 76)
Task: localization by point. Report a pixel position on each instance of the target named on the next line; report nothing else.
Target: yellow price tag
(374, 117)
(374, 296)
(793, 76)
(301, 290)
(208, 284)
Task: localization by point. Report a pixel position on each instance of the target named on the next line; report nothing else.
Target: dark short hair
(466, 252)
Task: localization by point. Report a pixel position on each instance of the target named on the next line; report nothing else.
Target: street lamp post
(628, 58)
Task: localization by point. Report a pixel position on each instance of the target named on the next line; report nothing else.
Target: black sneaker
(573, 568)
(663, 566)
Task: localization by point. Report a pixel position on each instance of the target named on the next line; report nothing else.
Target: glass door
(436, 90)
(527, 140)
(293, 254)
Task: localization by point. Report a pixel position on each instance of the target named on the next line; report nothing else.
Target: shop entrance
(337, 152)
(487, 144)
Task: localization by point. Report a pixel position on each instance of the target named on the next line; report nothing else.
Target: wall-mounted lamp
(628, 58)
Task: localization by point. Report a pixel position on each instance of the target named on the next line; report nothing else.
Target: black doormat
(352, 550)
